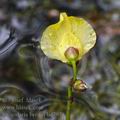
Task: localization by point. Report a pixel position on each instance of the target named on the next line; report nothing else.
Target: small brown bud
(79, 85)
(72, 53)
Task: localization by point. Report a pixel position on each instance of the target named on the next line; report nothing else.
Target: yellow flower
(69, 32)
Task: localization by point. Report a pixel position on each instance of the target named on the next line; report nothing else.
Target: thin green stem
(74, 70)
(70, 91)
(69, 103)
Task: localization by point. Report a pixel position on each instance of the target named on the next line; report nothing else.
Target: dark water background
(33, 87)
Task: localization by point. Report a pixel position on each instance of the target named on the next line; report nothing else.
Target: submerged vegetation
(33, 86)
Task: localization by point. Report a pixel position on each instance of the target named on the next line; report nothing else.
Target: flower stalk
(70, 90)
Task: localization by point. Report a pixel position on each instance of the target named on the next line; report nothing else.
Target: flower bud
(79, 85)
(72, 54)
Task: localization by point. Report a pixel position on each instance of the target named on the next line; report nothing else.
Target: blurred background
(33, 87)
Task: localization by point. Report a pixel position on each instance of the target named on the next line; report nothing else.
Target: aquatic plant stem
(69, 102)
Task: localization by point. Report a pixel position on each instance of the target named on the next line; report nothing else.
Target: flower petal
(84, 32)
(52, 37)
